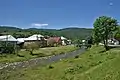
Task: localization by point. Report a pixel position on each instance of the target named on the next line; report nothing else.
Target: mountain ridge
(71, 32)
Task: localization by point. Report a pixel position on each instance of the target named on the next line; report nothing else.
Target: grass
(42, 52)
(94, 64)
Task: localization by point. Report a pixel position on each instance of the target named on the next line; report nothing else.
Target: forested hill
(71, 33)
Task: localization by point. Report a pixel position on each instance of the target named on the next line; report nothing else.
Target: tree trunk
(106, 45)
(31, 52)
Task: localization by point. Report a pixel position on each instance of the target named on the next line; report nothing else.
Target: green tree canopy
(103, 27)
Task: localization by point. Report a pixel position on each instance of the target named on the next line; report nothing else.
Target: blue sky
(56, 13)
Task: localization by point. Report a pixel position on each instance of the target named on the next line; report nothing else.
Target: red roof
(57, 39)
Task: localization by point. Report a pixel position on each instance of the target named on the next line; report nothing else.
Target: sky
(56, 14)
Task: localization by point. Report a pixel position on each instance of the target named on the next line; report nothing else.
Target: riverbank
(94, 64)
(24, 55)
(8, 68)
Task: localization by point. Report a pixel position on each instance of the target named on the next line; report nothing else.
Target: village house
(64, 40)
(113, 41)
(7, 39)
(21, 42)
(69, 42)
(54, 41)
(34, 38)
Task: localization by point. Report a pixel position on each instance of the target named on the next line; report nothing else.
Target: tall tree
(31, 47)
(117, 33)
(103, 27)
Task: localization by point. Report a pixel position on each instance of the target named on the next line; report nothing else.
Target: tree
(89, 41)
(103, 27)
(77, 42)
(96, 38)
(117, 33)
(9, 48)
(31, 47)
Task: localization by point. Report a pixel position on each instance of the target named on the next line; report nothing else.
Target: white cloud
(9, 25)
(38, 25)
(80, 26)
(73, 26)
(110, 4)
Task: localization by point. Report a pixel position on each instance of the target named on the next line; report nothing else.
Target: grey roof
(34, 37)
(8, 38)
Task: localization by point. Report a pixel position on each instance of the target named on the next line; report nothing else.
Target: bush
(54, 52)
(77, 56)
(7, 47)
(41, 55)
(93, 64)
(69, 70)
(20, 55)
(50, 67)
(99, 62)
(73, 70)
(62, 52)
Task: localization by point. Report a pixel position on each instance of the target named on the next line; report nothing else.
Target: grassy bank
(95, 64)
(42, 52)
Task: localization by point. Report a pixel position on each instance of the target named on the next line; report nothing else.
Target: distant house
(7, 39)
(113, 41)
(83, 41)
(54, 41)
(64, 40)
(117, 38)
(34, 38)
(21, 42)
(69, 42)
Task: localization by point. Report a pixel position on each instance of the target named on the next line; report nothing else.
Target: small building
(83, 41)
(7, 39)
(64, 40)
(113, 41)
(69, 42)
(54, 41)
(34, 38)
(21, 42)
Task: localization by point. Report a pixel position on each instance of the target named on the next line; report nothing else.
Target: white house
(113, 41)
(20, 40)
(8, 38)
(69, 42)
(34, 37)
(83, 41)
(64, 40)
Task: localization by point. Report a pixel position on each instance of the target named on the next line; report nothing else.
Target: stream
(38, 61)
